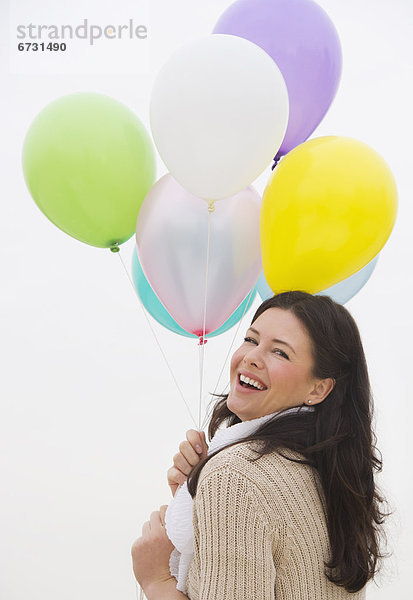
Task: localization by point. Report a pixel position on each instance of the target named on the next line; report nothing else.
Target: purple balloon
(302, 40)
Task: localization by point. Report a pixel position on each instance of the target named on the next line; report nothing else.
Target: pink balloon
(172, 238)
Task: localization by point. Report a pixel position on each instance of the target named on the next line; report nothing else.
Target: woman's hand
(191, 451)
(151, 552)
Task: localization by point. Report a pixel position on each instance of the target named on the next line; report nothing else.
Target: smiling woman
(286, 380)
(291, 511)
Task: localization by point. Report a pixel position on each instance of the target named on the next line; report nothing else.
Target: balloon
(159, 312)
(301, 39)
(344, 290)
(341, 292)
(327, 210)
(218, 109)
(172, 241)
(88, 163)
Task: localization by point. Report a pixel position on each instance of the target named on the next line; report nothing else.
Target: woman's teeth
(250, 382)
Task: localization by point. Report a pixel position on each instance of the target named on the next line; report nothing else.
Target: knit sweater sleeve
(234, 540)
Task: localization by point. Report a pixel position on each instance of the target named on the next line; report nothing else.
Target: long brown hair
(336, 438)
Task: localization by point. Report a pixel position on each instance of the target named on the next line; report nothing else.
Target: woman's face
(277, 354)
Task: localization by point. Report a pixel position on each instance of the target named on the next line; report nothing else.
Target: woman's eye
(282, 353)
(248, 339)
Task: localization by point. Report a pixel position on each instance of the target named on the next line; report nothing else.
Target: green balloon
(89, 162)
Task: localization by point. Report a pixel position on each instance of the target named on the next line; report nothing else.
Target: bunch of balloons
(330, 205)
(222, 109)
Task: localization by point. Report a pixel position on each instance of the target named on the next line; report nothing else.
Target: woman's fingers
(175, 477)
(197, 441)
(191, 451)
(181, 463)
(204, 444)
(157, 518)
(162, 512)
(146, 529)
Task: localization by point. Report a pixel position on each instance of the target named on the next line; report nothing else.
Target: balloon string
(157, 341)
(202, 341)
(201, 368)
(232, 343)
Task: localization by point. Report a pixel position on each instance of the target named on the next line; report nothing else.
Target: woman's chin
(234, 404)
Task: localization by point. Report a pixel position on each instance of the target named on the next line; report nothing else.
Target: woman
(291, 512)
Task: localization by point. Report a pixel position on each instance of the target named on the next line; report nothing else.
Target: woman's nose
(253, 358)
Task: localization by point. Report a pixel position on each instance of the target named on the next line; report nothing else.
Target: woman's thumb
(204, 444)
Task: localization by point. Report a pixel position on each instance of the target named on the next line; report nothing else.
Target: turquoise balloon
(341, 292)
(157, 310)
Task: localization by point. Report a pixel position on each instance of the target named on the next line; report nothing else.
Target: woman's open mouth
(246, 384)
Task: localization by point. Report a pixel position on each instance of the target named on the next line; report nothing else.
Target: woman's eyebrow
(274, 340)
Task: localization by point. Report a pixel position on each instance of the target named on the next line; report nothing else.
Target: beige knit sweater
(260, 530)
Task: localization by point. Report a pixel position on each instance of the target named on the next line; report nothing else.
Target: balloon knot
(114, 247)
(276, 161)
(202, 340)
(211, 206)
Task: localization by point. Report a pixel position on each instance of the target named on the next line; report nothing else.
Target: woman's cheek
(235, 360)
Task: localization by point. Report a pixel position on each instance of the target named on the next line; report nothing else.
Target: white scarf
(178, 516)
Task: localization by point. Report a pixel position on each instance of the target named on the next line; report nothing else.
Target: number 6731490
(35, 46)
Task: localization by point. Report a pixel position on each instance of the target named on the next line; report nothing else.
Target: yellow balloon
(328, 209)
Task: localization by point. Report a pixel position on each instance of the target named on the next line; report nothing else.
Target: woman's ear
(321, 390)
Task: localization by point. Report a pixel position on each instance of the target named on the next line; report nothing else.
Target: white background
(90, 417)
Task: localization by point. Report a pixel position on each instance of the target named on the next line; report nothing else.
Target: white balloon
(218, 112)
